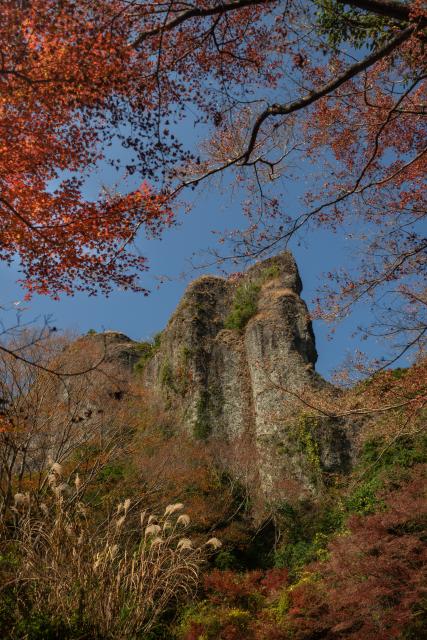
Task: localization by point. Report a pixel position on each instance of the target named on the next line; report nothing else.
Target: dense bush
(353, 562)
(374, 581)
(237, 605)
(369, 585)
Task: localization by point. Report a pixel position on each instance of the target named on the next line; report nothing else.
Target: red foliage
(274, 580)
(368, 589)
(375, 576)
(233, 588)
(265, 629)
(231, 632)
(196, 630)
(247, 592)
(241, 589)
(65, 69)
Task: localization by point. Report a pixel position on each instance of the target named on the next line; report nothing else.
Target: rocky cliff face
(229, 368)
(228, 365)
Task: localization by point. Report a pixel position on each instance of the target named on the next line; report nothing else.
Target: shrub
(364, 499)
(111, 473)
(236, 589)
(244, 305)
(245, 302)
(225, 560)
(404, 451)
(304, 432)
(295, 555)
(237, 607)
(381, 464)
(146, 351)
(372, 586)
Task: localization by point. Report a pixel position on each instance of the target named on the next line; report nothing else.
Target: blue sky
(140, 317)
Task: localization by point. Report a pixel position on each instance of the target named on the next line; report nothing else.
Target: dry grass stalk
(117, 578)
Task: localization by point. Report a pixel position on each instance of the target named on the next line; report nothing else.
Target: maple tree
(338, 84)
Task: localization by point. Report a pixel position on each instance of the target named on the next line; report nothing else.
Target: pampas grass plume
(156, 541)
(215, 543)
(184, 543)
(184, 519)
(51, 479)
(63, 489)
(21, 499)
(152, 529)
(172, 508)
(56, 468)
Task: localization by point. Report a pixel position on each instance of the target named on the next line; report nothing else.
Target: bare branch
(387, 8)
(328, 88)
(59, 374)
(199, 13)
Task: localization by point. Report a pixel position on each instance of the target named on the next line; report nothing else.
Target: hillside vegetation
(141, 531)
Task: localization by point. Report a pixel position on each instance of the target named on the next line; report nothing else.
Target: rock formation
(229, 363)
(230, 368)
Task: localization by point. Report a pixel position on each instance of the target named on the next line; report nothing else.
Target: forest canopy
(271, 83)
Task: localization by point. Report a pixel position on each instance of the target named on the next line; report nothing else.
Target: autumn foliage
(369, 584)
(345, 562)
(373, 585)
(89, 84)
(335, 87)
(67, 74)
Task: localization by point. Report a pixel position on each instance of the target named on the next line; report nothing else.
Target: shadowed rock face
(231, 383)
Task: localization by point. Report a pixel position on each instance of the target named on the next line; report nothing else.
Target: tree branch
(328, 88)
(322, 413)
(199, 13)
(58, 374)
(386, 8)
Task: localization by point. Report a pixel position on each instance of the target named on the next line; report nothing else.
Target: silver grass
(152, 529)
(184, 519)
(56, 468)
(215, 543)
(184, 543)
(172, 508)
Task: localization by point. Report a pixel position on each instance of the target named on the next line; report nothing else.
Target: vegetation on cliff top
(245, 299)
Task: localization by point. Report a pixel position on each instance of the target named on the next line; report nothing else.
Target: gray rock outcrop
(231, 363)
